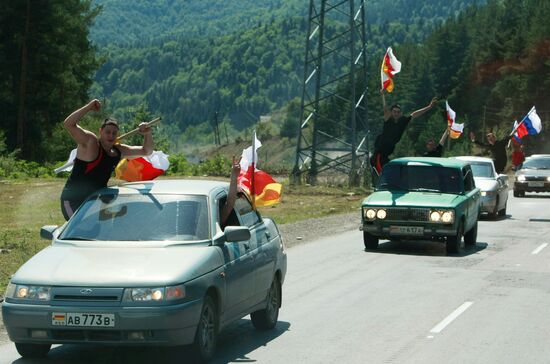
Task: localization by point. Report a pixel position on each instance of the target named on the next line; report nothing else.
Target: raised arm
(146, 149)
(478, 143)
(419, 112)
(444, 137)
(81, 136)
(387, 112)
(232, 194)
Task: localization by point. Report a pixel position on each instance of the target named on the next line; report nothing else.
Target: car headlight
(520, 178)
(435, 216)
(27, 292)
(381, 214)
(158, 294)
(448, 217)
(370, 214)
(548, 179)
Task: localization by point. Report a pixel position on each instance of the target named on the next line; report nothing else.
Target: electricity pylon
(333, 120)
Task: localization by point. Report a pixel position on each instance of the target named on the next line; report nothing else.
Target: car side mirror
(236, 233)
(47, 231)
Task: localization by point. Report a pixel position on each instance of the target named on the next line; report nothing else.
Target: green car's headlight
(27, 292)
(158, 294)
(381, 214)
(370, 214)
(443, 216)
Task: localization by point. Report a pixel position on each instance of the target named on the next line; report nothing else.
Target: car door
(238, 269)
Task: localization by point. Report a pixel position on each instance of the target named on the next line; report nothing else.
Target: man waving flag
(390, 67)
(260, 186)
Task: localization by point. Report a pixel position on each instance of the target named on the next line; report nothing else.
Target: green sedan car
(423, 199)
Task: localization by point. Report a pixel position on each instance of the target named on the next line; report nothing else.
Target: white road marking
(447, 320)
(542, 246)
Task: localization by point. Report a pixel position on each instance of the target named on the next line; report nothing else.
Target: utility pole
(335, 76)
(216, 130)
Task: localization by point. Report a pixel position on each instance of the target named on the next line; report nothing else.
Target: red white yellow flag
(143, 168)
(259, 185)
(455, 129)
(390, 67)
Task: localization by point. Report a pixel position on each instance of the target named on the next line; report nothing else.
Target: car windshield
(140, 217)
(536, 163)
(420, 178)
(482, 169)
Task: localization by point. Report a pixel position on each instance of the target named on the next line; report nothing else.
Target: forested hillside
(252, 67)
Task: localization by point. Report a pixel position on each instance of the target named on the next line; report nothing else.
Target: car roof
(434, 161)
(174, 186)
(539, 156)
(471, 158)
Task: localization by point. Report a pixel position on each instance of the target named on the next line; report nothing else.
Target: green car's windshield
(140, 217)
(536, 163)
(423, 178)
(482, 169)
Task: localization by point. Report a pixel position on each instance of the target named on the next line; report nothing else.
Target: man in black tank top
(96, 156)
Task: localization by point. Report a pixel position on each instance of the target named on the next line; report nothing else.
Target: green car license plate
(83, 319)
(407, 230)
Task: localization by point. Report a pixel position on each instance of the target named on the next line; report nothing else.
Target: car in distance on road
(148, 264)
(425, 199)
(493, 186)
(533, 176)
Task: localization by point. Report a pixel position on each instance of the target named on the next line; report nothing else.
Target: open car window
(140, 217)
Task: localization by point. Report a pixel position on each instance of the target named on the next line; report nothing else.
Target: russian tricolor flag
(530, 125)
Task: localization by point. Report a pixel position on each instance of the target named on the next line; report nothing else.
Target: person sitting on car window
(497, 149)
(227, 215)
(436, 151)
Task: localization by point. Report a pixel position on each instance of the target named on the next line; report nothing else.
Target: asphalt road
(406, 303)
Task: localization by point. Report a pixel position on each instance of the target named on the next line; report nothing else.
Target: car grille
(407, 214)
(535, 178)
(65, 295)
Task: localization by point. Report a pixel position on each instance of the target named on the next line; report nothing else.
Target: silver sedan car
(494, 187)
(148, 264)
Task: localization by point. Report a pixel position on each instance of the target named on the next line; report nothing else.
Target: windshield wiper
(391, 186)
(420, 189)
(77, 238)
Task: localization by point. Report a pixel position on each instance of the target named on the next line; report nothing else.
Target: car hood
(534, 172)
(414, 199)
(67, 265)
(486, 184)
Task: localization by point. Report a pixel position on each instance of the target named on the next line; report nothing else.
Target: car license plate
(536, 184)
(407, 230)
(83, 319)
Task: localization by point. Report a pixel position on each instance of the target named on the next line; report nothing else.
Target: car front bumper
(488, 203)
(530, 186)
(160, 325)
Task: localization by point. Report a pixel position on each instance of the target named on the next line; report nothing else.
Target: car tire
(452, 244)
(502, 212)
(32, 350)
(266, 319)
(470, 238)
(370, 241)
(206, 336)
(493, 215)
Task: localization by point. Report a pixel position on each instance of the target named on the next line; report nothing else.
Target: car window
(141, 217)
(482, 170)
(245, 211)
(469, 183)
(536, 163)
(232, 219)
(420, 178)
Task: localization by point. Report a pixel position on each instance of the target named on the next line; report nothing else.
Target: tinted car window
(140, 217)
(244, 209)
(536, 163)
(483, 170)
(420, 177)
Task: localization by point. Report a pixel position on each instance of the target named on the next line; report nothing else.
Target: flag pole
(136, 130)
(252, 188)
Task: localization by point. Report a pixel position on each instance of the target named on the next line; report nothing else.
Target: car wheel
(453, 242)
(266, 319)
(370, 241)
(502, 212)
(470, 237)
(493, 215)
(32, 350)
(206, 337)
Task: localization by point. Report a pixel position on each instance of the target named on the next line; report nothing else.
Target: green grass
(27, 205)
